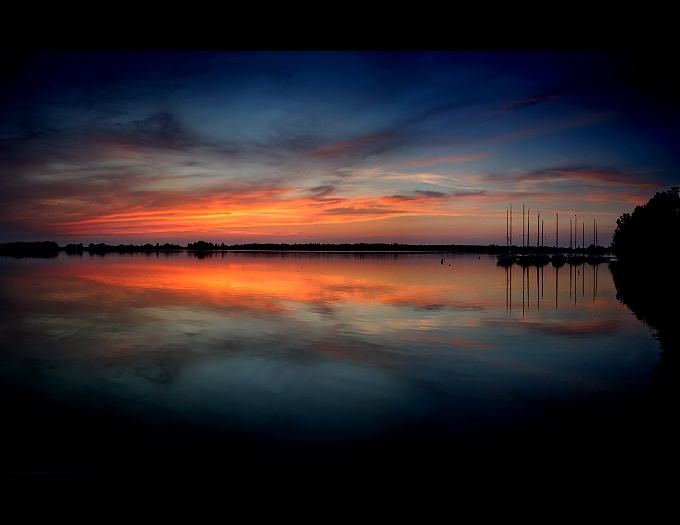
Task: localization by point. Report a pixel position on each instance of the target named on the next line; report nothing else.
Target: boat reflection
(577, 275)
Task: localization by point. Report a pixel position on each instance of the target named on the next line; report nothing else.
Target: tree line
(651, 232)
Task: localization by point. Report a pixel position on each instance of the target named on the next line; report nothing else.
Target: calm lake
(299, 352)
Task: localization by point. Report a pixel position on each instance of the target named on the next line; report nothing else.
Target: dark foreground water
(244, 361)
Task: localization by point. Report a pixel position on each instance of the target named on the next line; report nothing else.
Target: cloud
(430, 195)
(548, 96)
(608, 175)
(600, 175)
(354, 210)
(359, 146)
(433, 161)
(321, 191)
(531, 101)
(160, 129)
(418, 195)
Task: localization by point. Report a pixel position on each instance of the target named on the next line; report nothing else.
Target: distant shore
(52, 249)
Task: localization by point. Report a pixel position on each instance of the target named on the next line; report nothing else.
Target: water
(306, 352)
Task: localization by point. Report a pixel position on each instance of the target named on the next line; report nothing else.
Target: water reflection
(313, 351)
(577, 275)
(651, 292)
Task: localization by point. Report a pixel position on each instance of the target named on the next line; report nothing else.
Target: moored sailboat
(507, 258)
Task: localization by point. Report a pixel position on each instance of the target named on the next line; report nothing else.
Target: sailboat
(558, 259)
(595, 258)
(507, 258)
(524, 258)
(575, 258)
(541, 258)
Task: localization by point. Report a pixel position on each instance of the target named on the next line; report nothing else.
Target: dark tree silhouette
(30, 249)
(647, 243)
(651, 229)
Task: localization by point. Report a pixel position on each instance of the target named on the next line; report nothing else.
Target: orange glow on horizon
(272, 213)
(219, 214)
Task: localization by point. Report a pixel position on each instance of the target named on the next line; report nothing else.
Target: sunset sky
(417, 147)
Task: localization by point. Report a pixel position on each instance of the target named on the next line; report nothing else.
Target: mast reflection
(557, 280)
(577, 275)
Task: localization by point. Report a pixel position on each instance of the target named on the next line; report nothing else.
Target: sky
(330, 146)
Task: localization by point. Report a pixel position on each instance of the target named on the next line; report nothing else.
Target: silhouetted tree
(650, 228)
(646, 243)
(30, 249)
(73, 249)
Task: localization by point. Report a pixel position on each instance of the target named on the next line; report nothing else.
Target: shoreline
(52, 249)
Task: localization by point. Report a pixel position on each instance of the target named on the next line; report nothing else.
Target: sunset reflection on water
(318, 350)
